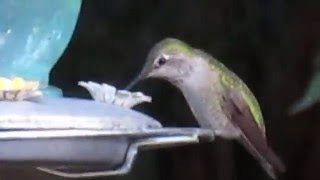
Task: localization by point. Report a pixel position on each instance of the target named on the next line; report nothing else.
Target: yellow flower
(17, 84)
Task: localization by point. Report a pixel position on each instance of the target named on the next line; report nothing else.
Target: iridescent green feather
(175, 45)
(231, 80)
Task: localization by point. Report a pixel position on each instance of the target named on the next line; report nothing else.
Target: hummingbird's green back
(231, 80)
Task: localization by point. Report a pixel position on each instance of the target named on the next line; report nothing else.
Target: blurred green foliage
(311, 96)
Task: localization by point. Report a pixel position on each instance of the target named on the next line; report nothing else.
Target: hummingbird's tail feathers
(275, 161)
(270, 162)
(252, 134)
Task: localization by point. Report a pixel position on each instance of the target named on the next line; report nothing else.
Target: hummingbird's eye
(161, 61)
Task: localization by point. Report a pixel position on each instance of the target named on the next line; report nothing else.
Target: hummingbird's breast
(203, 96)
(206, 108)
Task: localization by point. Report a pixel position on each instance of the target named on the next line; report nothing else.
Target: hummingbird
(219, 100)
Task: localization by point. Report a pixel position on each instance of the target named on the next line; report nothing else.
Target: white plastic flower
(109, 94)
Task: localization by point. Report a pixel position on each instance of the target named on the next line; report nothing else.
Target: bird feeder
(69, 137)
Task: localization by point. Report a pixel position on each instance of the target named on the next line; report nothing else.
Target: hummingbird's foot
(18, 89)
(109, 94)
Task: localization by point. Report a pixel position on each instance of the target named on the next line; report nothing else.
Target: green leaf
(311, 96)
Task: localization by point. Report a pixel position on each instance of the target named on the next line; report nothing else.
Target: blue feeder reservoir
(33, 36)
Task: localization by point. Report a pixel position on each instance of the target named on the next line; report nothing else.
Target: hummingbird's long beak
(134, 82)
(144, 73)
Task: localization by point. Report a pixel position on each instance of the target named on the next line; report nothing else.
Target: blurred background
(272, 45)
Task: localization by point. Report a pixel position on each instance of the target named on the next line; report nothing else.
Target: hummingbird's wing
(252, 136)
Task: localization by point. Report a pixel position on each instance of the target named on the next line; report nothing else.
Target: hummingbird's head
(170, 59)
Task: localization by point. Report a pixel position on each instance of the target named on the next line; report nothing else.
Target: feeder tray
(65, 136)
